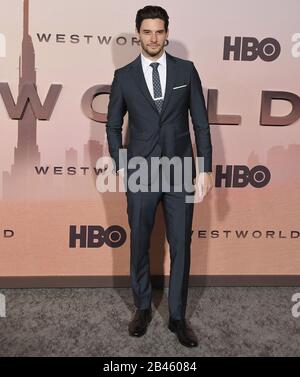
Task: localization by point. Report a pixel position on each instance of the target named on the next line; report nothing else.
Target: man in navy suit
(157, 90)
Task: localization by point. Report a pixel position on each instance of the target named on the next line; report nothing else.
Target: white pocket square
(178, 87)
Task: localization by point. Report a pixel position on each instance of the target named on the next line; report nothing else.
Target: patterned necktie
(157, 87)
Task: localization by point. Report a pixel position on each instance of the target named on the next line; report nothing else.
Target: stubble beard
(152, 52)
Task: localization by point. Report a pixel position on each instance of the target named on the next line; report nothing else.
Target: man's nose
(153, 37)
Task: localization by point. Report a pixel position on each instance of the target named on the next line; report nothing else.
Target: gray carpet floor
(228, 321)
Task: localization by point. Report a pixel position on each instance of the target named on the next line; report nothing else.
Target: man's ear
(137, 34)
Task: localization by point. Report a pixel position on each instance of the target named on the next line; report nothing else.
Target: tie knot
(154, 65)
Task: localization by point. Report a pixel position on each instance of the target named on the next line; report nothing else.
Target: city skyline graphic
(27, 178)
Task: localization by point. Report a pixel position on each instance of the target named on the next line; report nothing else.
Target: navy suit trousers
(178, 215)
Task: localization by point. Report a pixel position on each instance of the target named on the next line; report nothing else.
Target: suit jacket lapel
(170, 79)
(139, 77)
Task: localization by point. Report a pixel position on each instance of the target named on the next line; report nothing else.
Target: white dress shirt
(162, 70)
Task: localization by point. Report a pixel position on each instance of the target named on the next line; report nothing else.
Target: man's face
(152, 36)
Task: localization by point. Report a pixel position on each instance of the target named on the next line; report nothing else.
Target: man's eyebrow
(156, 30)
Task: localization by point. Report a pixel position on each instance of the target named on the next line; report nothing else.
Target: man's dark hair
(151, 11)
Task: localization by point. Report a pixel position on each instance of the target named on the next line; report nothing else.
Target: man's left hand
(205, 183)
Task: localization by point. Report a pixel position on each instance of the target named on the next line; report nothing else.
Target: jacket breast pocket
(180, 94)
(180, 89)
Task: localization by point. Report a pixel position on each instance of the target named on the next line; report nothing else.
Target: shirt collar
(146, 61)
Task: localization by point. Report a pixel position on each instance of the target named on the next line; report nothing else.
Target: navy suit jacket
(153, 133)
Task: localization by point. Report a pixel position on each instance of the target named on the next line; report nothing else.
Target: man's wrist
(117, 172)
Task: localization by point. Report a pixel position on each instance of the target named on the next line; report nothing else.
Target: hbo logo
(96, 236)
(249, 48)
(241, 176)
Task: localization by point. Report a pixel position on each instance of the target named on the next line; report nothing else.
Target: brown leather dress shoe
(140, 321)
(184, 333)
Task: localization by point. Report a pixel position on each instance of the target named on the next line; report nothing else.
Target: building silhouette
(23, 181)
